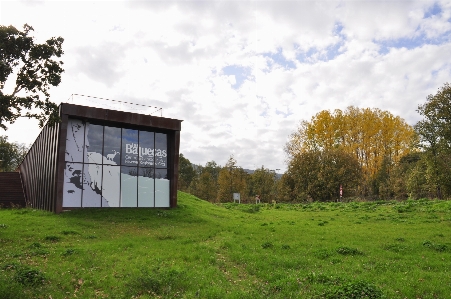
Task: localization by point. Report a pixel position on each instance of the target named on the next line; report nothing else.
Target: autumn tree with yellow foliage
(376, 138)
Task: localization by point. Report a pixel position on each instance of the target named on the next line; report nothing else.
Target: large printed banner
(114, 167)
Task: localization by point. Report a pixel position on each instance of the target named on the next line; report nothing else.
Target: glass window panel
(161, 188)
(72, 185)
(161, 151)
(129, 147)
(93, 143)
(75, 140)
(112, 146)
(145, 187)
(129, 186)
(111, 185)
(92, 185)
(146, 148)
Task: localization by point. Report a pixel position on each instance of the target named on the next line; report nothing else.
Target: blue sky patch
(279, 59)
(241, 73)
(411, 43)
(433, 11)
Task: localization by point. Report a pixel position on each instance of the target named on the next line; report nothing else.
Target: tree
(401, 175)
(11, 154)
(232, 179)
(263, 183)
(205, 183)
(435, 133)
(35, 70)
(186, 173)
(372, 136)
(318, 175)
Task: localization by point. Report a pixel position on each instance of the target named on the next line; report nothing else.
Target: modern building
(103, 158)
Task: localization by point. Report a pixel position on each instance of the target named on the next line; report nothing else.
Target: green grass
(201, 250)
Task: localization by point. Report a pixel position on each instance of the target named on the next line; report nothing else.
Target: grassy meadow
(202, 250)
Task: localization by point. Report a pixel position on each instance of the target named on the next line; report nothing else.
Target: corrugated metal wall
(39, 170)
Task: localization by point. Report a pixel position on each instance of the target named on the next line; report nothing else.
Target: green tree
(263, 184)
(435, 133)
(317, 175)
(186, 173)
(205, 183)
(35, 70)
(11, 154)
(401, 175)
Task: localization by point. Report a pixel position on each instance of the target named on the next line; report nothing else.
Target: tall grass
(200, 250)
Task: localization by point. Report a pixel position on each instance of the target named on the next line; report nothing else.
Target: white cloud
(325, 55)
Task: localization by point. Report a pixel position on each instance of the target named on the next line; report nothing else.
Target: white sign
(146, 155)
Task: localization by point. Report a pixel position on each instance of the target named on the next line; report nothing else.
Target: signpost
(236, 197)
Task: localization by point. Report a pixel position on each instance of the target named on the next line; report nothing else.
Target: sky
(241, 75)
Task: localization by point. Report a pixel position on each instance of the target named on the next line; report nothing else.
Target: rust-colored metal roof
(121, 117)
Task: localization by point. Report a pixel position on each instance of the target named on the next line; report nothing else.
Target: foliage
(348, 251)
(262, 183)
(355, 290)
(398, 180)
(205, 183)
(28, 276)
(372, 136)
(186, 173)
(35, 70)
(435, 136)
(11, 154)
(317, 175)
(232, 179)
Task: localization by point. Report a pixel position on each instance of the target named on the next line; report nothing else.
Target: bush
(436, 247)
(29, 277)
(355, 290)
(348, 251)
(267, 245)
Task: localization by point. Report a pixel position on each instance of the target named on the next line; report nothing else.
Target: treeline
(217, 183)
(366, 153)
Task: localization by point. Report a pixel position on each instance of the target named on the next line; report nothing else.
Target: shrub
(252, 209)
(267, 245)
(436, 247)
(348, 251)
(28, 276)
(355, 290)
